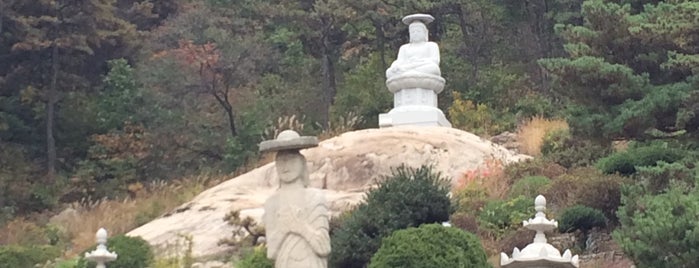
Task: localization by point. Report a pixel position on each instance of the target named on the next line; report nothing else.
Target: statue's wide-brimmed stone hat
(288, 140)
(424, 18)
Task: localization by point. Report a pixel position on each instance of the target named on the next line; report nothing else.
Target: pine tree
(631, 71)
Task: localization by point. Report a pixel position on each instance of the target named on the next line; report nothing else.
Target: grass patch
(117, 216)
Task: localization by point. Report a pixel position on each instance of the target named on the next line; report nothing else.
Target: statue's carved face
(290, 166)
(418, 32)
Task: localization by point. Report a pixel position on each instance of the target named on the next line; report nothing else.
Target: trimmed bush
(530, 186)
(256, 259)
(14, 256)
(430, 245)
(408, 198)
(132, 251)
(580, 218)
(625, 162)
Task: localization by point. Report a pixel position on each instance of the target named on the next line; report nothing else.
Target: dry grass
(531, 134)
(121, 216)
(284, 123)
(343, 124)
(22, 231)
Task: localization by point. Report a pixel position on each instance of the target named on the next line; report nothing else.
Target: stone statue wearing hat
(296, 218)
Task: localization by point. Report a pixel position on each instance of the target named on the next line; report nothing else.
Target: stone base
(414, 116)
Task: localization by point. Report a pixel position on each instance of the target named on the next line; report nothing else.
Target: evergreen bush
(657, 178)
(580, 218)
(430, 245)
(626, 162)
(132, 252)
(14, 256)
(660, 231)
(408, 198)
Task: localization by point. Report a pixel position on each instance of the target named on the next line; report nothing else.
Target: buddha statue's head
(418, 32)
(291, 168)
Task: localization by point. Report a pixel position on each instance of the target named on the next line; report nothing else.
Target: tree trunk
(50, 115)
(380, 42)
(471, 53)
(227, 107)
(231, 120)
(2, 14)
(329, 87)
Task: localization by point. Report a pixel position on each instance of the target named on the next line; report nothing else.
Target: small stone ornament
(296, 217)
(101, 255)
(539, 254)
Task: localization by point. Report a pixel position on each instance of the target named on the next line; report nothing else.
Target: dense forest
(99, 95)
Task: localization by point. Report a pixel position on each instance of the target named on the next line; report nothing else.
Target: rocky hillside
(345, 166)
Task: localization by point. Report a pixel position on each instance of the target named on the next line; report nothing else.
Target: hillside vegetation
(118, 100)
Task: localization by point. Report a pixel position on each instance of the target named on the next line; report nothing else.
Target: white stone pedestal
(414, 101)
(414, 116)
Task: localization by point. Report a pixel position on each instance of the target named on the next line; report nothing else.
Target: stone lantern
(539, 254)
(101, 255)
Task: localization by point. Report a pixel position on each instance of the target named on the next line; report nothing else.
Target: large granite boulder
(344, 166)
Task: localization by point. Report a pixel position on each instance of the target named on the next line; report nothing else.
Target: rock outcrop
(344, 166)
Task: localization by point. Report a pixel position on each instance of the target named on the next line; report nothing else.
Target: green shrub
(478, 118)
(570, 152)
(14, 256)
(555, 141)
(588, 187)
(255, 259)
(132, 252)
(532, 105)
(660, 231)
(580, 218)
(499, 216)
(408, 198)
(533, 167)
(625, 162)
(657, 178)
(464, 221)
(72, 263)
(530, 186)
(430, 245)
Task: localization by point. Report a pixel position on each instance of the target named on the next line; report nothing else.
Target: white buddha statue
(415, 80)
(419, 56)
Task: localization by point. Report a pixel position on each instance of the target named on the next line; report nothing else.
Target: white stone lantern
(539, 254)
(101, 255)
